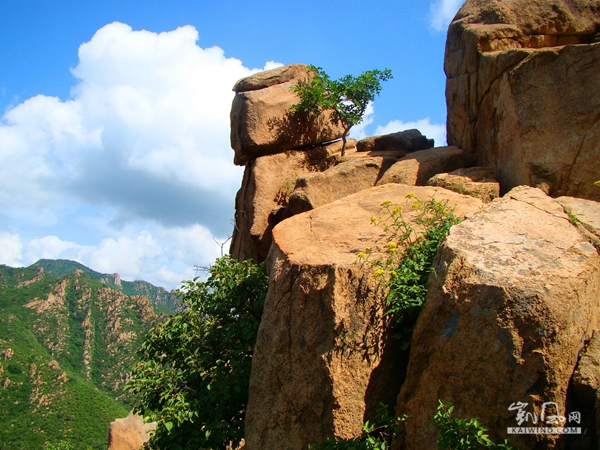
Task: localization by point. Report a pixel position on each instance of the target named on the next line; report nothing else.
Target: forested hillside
(67, 341)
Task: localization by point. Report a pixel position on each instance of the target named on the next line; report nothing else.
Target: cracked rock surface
(514, 300)
(522, 92)
(324, 358)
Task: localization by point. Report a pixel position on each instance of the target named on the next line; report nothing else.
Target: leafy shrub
(194, 370)
(462, 434)
(375, 437)
(455, 434)
(409, 256)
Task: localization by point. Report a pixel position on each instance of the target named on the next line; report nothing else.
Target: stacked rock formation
(512, 312)
(287, 158)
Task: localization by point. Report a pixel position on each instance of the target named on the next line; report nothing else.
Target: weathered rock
(271, 77)
(409, 140)
(262, 122)
(129, 433)
(320, 365)
(520, 100)
(585, 397)
(416, 168)
(515, 296)
(319, 188)
(475, 181)
(586, 212)
(586, 379)
(267, 183)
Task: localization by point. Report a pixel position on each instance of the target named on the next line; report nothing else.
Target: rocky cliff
(508, 329)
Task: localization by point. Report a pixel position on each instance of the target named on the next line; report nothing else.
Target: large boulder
(475, 181)
(319, 188)
(409, 140)
(522, 79)
(262, 122)
(416, 168)
(515, 297)
(130, 433)
(321, 363)
(261, 200)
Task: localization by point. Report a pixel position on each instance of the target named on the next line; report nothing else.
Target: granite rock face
(521, 88)
(266, 186)
(515, 298)
(324, 356)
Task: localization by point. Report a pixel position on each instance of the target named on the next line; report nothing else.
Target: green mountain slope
(162, 300)
(66, 344)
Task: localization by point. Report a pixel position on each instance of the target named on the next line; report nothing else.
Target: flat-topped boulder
(262, 122)
(522, 78)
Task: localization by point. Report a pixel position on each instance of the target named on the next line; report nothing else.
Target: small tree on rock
(347, 97)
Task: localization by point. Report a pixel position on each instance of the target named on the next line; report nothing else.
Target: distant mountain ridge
(68, 337)
(161, 299)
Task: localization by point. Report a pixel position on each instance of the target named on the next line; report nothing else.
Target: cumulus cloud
(148, 121)
(441, 13)
(144, 137)
(359, 131)
(434, 131)
(11, 246)
(166, 256)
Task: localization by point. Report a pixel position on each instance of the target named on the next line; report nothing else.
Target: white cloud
(148, 107)
(434, 131)
(141, 146)
(163, 256)
(441, 13)
(359, 132)
(11, 246)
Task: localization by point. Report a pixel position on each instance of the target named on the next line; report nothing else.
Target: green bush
(410, 256)
(462, 434)
(376, 436)
(194, 369)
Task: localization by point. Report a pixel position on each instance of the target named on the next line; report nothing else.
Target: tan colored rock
(585, 397)
(322, 360)
(416, 168)
(409, 140)
(515, 296)
(266, 186)
(518, 93)
(271, 77)
(587, 212)
(129, 433)
(319, 188)
(262, 122)
(477, 182)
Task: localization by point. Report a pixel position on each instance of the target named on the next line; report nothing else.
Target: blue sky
(114, 128)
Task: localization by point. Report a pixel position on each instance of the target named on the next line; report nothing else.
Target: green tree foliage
(376, 436)
(462, 434)
(348, 97)
(194, 370)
